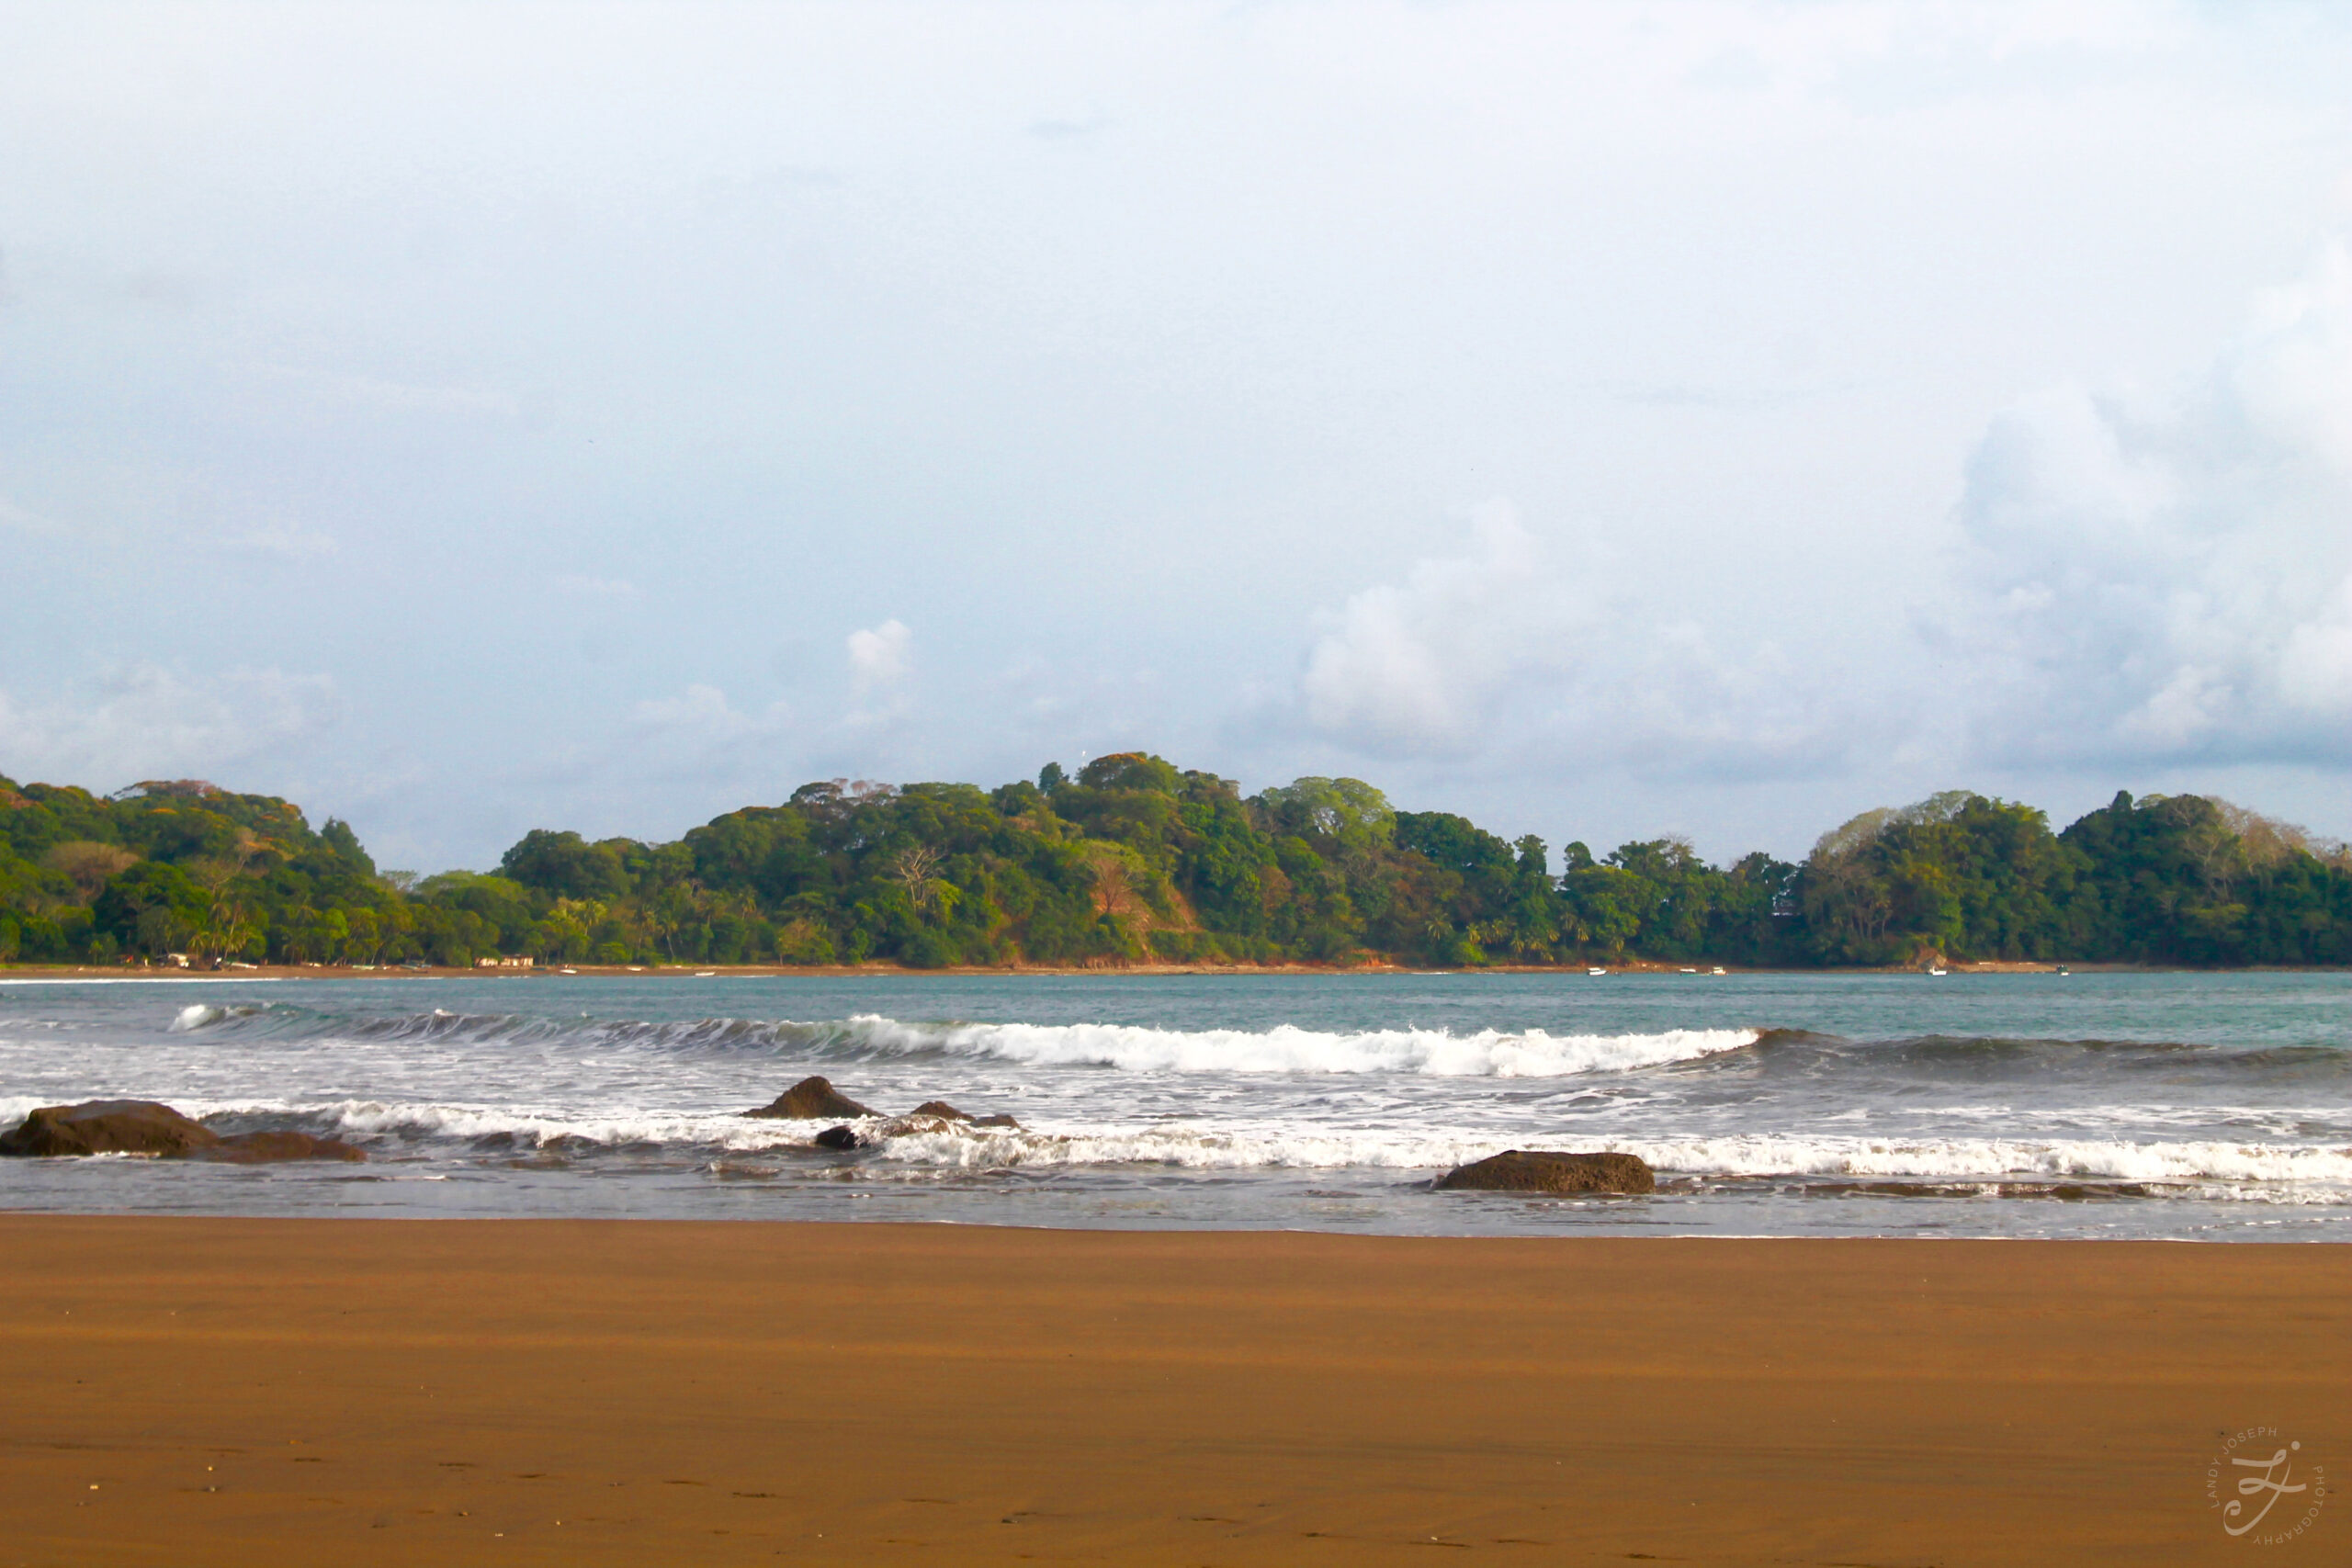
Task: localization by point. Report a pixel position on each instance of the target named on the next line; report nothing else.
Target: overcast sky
(1605, 420)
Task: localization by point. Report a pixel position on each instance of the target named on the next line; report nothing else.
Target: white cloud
(700, 734)
(2171, 582)
(881, 658)
(28, 521)
(149, 722)
(1411, 668)
(703, 713)
(1116, 338)
(1508, 648)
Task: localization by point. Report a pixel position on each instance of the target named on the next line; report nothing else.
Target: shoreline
(54, 973)
(210, 1391)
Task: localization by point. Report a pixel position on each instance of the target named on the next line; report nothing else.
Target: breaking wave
(1997, 1158)
(1778, 1105)
(2199, 1168)
(1289, 1049)
(1939, 1158)
(203, 1016)
(1284, 1048)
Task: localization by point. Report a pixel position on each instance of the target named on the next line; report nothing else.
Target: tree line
(1132, 861)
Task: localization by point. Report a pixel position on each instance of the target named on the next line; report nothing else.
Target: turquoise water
(2207, 1106)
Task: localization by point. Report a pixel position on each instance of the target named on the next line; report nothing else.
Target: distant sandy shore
(194, 1391)
(894, 971)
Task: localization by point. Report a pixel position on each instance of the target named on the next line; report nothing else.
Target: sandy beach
(214, 1391)
(117, 973)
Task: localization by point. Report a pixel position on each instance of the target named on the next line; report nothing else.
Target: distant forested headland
(1133, 862)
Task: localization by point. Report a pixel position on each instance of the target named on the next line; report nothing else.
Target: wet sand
(192, 1391)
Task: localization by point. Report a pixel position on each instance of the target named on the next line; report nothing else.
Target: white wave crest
(203, 1016)
(15, 1108)
(1997, 1158)
(541, 1125)
(1214, 1145)
(1949, 1159)
(2280, 1171)
(1289, 1049)
(1193, 1148)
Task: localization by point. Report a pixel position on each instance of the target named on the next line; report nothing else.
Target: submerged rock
(268, 1148)
(146, 1127)
(106, 1127)
(1544, 1170)
(810, 1099)
(946, 1112)
(877, 1131)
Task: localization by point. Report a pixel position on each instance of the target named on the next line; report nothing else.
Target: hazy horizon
(1602, 421)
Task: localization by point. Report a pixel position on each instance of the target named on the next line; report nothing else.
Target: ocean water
(2212, 1107)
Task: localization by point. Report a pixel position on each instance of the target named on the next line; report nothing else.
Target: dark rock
(880, 1130)
(875, 1134)
(1542, 1171)
(940, 1110)
(107, 1127)
(268, 1148)
(810, 1099)
(144, 1127)
(2077, 1191)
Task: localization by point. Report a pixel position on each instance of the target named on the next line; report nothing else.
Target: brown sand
(212, 1390)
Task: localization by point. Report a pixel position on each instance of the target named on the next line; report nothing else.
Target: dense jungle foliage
(1133, 862)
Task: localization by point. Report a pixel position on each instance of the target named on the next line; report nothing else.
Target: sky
(1604, 421)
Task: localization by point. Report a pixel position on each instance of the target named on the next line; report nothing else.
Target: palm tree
(228, 927)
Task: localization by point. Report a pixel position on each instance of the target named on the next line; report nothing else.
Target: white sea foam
(1942, 1158)
(15, 1108)
(1250, 1147)
(1201, 1145)
(549, 1125)
(1283, 1048)
(2190, 1169)
(1995, 1158)
(1289, 1049)
(1215, 1144)
(202, 1015)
